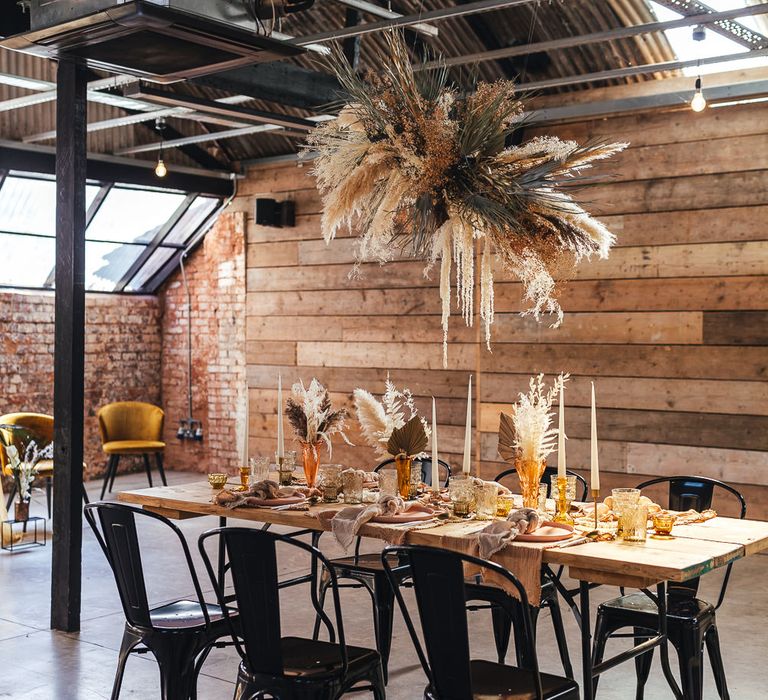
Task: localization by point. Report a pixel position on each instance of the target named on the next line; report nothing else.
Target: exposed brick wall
(122, 357)
(216, 277)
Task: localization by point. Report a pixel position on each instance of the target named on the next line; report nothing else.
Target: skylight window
(132, 236)
(714, 44)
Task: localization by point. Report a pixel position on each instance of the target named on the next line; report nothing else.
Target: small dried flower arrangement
(526, 434)
(420, 165)
(23, 463)
(311, 414)
(380, 419)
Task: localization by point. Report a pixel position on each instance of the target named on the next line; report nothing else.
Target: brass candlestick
(562, 516)
(595, 496)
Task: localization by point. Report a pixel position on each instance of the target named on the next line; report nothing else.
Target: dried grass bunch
(378, 419)
(415, 164)
(311, 414)
(526, 434)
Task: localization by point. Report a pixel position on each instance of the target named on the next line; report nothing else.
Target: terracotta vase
(310, 455)
(21, 510)
(403, 466)
(530, 472)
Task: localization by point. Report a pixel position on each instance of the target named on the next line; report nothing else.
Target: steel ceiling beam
(472, 8)
(378, 11)
(637, 70)
(729, 28)
(596, 37)
(214, 136)
(148, 93)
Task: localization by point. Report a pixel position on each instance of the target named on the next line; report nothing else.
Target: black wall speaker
(270, 212)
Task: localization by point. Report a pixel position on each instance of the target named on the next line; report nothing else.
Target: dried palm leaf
(410, 440)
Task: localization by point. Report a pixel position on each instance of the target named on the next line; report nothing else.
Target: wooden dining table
(695, 550)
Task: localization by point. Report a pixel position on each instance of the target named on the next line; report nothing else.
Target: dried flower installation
(415, 164)
(311, 415)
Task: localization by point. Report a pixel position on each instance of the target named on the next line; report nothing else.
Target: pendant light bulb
(698, 101)
(160, 169)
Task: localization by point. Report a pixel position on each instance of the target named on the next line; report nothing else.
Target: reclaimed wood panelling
(672, 327)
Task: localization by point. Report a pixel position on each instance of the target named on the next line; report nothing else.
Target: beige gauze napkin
(501, 532)
(261, 490)
(346, 523)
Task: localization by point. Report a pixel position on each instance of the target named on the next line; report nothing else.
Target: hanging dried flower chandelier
(415, 164)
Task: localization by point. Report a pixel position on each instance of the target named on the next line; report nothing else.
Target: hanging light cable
(698, 101)
(160, 169)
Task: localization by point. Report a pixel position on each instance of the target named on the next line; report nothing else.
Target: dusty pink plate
(416, 516)
(286, 501)
(548, 532)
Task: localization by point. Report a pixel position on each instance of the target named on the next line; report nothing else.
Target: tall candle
(280, 434)
(435, 470)
(595, 480)
(468, 432)
(561, 438)
(244, 463)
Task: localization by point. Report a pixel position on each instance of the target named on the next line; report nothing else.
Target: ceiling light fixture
(160, 169)
(698, 101)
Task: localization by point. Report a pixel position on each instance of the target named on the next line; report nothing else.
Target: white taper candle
(561, 438)
(595, 467)
(435, 470)
(468, 432)
(280, 434)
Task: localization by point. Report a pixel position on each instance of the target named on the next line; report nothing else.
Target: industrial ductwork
(162, 41)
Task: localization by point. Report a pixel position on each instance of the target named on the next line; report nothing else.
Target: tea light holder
(562, 502)
(284, 475)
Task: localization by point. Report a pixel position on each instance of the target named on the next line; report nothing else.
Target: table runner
(523, 559)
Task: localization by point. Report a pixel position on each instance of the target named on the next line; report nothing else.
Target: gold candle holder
(245, 474)
(562, 516)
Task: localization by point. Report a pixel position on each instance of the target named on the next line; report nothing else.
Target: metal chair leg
(690, 655)
(107, 475)
(48, 481)
(712, 640)
(160, 468)
(385, 613)
(562, 642)
(147, 468)
(598, 649)
(114, 473)
(502, 629)
(642, 664)
(130, 641)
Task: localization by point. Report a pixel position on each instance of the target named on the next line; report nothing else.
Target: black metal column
(69, 347)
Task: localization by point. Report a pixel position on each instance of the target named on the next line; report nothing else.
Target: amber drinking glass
(486, 499)
(633, 523)
(352, 485)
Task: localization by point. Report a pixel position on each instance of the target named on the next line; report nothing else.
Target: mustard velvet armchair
(131, 428)
(41, 427)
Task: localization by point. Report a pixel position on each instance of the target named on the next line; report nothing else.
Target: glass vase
(21, 510)
(530, 471)
(403, 466)
(310, 455)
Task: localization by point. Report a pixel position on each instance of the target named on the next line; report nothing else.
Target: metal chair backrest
(581, 494)
(119, 540)
(697, 493)
(426, 468)
(253, 568)
(439, 584)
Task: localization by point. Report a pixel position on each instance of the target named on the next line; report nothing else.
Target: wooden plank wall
(673, 327)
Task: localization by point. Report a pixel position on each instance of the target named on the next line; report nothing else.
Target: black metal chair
(180, 634)
(288, 668)
(366, 571)
(690, 621)
(506, 618)
(440, 589)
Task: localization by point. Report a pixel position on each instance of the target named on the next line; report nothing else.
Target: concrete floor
(37, 664)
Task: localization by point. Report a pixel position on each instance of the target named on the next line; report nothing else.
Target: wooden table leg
(586, 641)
